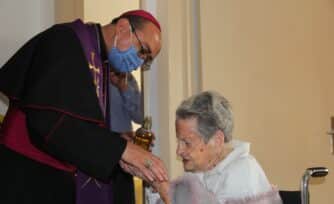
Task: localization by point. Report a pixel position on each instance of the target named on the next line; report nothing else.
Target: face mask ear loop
(115, 40)
(131, 33)
(131, 37)
(132, 30)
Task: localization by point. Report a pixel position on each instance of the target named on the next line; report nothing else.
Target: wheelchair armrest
(290, 197)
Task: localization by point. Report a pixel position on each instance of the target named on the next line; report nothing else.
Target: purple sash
(88, 37)
(89, 190)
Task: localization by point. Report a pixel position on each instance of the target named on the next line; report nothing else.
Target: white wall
(20, 21)
(273, 61)
(103, 11)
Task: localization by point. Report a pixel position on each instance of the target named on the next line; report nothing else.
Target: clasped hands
(143, 164)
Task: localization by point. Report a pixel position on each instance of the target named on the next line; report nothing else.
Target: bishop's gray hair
(212, 111)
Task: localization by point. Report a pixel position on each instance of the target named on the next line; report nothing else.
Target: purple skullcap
(144, 14)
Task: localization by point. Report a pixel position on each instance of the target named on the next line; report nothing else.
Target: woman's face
(191, 148)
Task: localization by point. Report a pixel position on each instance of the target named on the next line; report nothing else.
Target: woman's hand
(163, 189)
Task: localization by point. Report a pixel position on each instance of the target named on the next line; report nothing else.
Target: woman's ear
(219, 137)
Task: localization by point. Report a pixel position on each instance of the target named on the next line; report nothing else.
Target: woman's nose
(179, 150)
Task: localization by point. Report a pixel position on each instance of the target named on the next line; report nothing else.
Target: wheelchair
(302, 196)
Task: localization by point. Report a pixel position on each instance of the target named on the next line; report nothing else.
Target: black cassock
(49, 81)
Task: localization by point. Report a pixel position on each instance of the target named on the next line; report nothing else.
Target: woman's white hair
(212, 111)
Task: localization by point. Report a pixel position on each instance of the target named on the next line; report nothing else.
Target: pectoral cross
(96, 72)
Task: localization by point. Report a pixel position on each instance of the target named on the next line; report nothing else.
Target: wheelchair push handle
(317, 171)
(310, 172)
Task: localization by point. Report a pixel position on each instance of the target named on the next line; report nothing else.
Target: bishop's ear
(123, 34)
(123, 26)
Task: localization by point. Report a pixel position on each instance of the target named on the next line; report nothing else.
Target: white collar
(240, 149)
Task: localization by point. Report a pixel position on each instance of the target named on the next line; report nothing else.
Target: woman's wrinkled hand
(163, 189)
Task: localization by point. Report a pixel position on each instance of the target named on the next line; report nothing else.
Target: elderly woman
(218, 169)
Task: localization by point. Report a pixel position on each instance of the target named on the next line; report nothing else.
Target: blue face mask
(124, 61)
